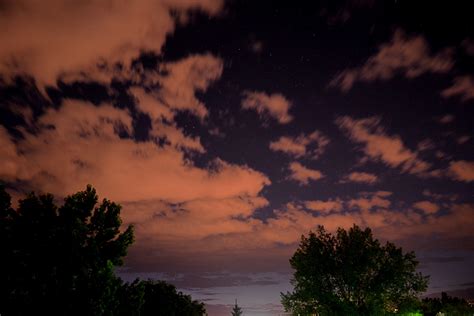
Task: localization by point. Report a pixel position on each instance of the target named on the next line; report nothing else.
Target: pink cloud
(370, 201)
(185, 77)
(427, 207)
(462, 170)
(387, 224)
(51, 39)
(407, 55)
(275, 105)
(361, 177)
(463, 86)
(379, 146)
(324, 206)
(300, 146)
(303, 175)
(84, 147)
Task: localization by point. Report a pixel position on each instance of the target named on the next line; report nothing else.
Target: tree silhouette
(162, 298)
(236, 311)
(350, 273)
(60, 260)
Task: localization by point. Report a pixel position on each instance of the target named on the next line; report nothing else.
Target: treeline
(447, 306)
(61, 261)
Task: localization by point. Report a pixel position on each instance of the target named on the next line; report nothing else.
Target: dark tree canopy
(446, 305)
(162, 299)
(61, 261)
(351, 273)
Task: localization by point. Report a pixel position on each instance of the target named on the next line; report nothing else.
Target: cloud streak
(302, 174)
(310, 146)
(463, 87)
(377, 145)
(361, 177)
(275, 106)
(406, 55)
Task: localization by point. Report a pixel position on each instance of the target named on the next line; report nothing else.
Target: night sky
(227, 129)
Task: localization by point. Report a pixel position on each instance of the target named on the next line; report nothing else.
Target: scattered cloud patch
(86, 144)
(463, 87)
(406, 55)
(312, 145)
(369, 201)
(426, 144)
(361, 177)
(324, 207)
(427, 207)
(185, 77)
(462, 170)
(303, 175)
(275, 106)
(446, 119)
(439, 196)
(377, 145)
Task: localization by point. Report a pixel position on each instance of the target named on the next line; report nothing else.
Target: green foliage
(350, 273)
(131, 297)
(447, 305)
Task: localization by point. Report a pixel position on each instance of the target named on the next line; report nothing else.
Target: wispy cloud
(311, 146)
(427, 207)
(403, 54)
(462, 170)
(463, 87)
(275, 106)
(379, 146)
(361, 177)
(302, 174)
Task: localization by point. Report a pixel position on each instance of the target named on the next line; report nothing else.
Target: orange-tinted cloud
(324, 206)
(184, 78)
(274, 105)
(462, 170)
(86, 145)
(302, 174)
(374, 212)
(463, 86)
(379, 146)
(426, 206)
(407, 55)
(55, 38)
(368, 202)
(361, 177)
(300, 146)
